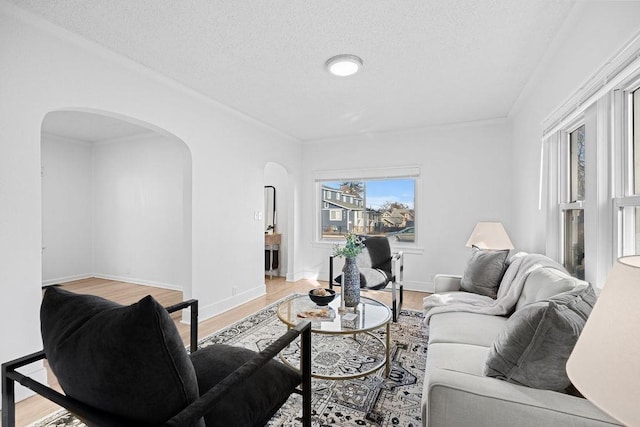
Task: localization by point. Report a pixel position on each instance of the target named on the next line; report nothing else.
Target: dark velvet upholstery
(125, 360)
(533, 347)
(484, 272)
(253, 402)
(380, 253)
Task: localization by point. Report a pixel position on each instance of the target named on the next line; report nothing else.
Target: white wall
(139, 215)
(116, 209)
(43, 69)
(593, 32)
(66, 210)
(465, 178)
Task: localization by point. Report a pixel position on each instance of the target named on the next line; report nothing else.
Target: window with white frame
(608, 105)
(373, 206)
(572, 199)
(628, 201)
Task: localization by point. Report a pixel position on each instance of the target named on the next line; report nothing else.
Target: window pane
(630, 230)
(574, 242)
(635, 123)
(382, 207)
(576, 166)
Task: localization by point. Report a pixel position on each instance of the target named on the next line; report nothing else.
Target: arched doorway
(276, 176)
(116, 201)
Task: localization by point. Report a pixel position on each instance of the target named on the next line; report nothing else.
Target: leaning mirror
(269, 209)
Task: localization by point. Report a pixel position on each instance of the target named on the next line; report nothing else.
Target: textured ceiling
(426, 62)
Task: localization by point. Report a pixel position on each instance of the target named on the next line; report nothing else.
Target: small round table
(340, 323)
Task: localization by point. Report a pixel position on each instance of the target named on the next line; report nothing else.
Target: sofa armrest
(453, 398)
(446, 283)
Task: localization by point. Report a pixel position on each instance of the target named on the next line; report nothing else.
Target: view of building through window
(380, 207)
(576, 157)
(573, 213)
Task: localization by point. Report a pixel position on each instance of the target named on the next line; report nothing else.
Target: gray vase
(351, 283)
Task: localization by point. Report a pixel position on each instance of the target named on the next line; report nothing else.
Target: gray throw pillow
(484, 272)
(533, 347)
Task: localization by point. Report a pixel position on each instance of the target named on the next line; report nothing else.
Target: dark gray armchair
(379, 268)
(127, 366)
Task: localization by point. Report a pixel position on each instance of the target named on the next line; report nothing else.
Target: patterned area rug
(369, 401)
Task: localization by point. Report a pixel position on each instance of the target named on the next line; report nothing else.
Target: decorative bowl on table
(322, 296)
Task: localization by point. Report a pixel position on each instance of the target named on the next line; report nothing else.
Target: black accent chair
(379, 268)
(127, 366)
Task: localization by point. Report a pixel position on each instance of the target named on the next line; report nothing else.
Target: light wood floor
(35, 408)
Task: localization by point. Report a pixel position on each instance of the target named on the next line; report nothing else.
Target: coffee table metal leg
(387, 366)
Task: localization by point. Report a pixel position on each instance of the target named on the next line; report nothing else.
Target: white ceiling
(426, 62)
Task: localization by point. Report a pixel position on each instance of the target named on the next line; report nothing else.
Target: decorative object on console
(604, 365)
(351, 286)
(489, 235)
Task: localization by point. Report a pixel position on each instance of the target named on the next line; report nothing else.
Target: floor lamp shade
(490, 235)
(605, 363)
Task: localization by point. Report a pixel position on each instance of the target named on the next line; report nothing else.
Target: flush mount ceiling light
(344, 65)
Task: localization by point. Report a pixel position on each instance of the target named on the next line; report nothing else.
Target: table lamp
(489, 235)
(605, 363)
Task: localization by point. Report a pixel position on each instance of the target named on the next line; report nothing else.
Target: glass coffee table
(346, 344)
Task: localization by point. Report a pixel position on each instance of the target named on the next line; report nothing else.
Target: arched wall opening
(116, 201)
(277, 176)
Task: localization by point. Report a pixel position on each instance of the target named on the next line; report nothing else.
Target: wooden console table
(271, 248)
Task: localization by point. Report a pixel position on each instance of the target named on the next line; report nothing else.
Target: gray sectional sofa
(457, 391)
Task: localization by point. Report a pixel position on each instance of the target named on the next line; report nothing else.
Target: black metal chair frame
(397, 277)
(188, 415)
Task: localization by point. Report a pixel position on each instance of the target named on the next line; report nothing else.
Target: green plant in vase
(354, 245)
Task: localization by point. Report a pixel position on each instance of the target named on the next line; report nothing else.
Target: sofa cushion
(125, 360)
(484, 272)
(466, 358)
(251, 403)
(543, 283)
(534, 346)
(465, 328)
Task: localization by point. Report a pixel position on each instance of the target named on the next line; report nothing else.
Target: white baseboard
(66, 279)
(208, 311)
(136, 281)
(133, 280)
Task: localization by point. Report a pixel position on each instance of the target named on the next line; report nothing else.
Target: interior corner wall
(592, 33)
(465, 178)
(138, 213)
(67, 246)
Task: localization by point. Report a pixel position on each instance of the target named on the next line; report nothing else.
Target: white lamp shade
(490, 235)
(605, 363)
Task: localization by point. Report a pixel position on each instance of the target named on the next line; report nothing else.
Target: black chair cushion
(380, 253)
(253, 402)
(125, 360)
(375, 270)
